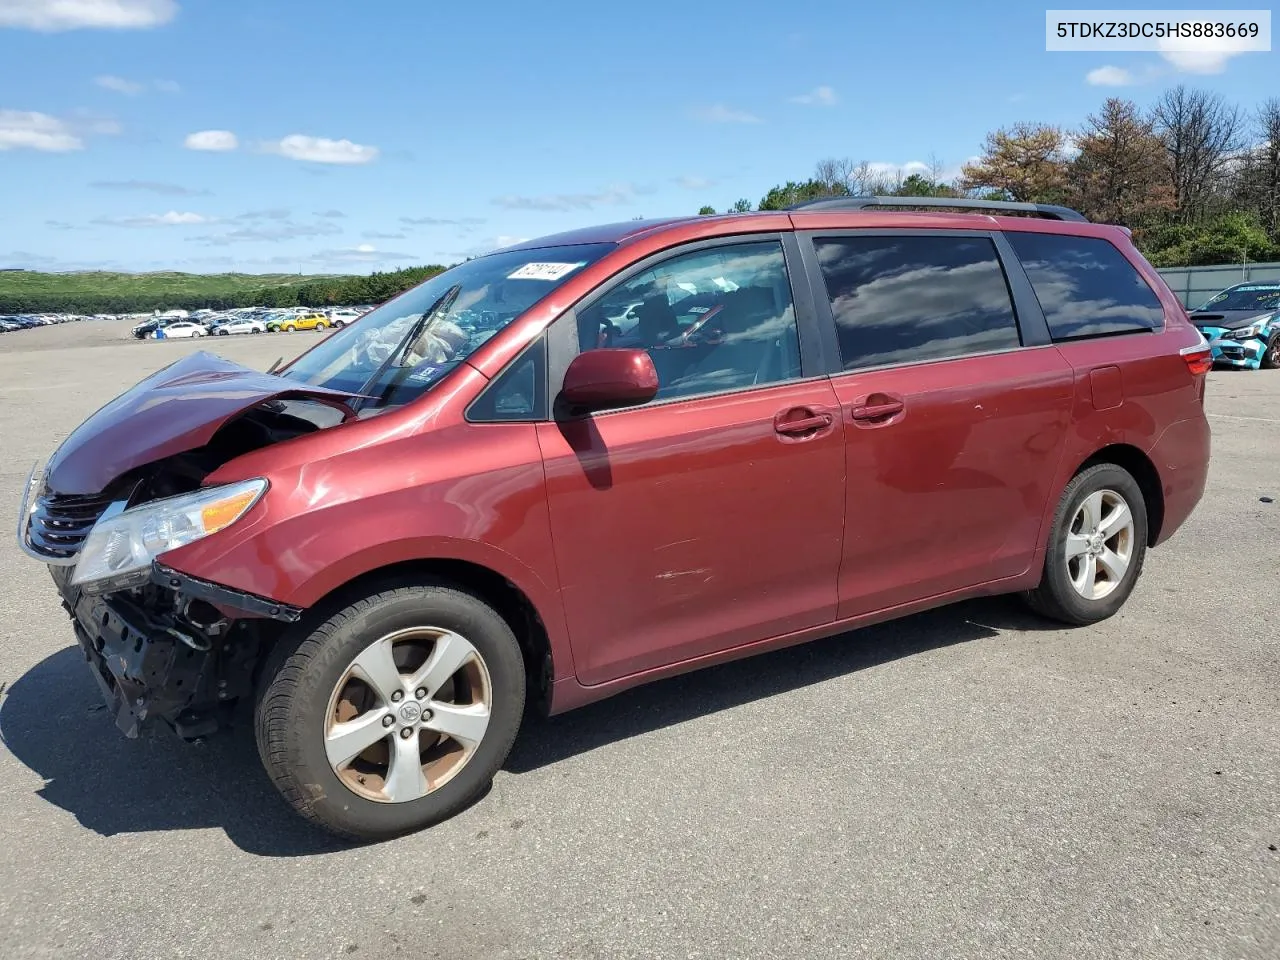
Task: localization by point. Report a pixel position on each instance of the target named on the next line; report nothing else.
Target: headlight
(123, 545)
(1244, 333)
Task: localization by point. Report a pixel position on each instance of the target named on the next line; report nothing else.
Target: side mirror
(609, 377)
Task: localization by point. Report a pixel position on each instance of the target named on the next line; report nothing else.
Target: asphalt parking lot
(967, 783)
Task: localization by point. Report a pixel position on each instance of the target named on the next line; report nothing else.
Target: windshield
(400, 350)
(1250, 296)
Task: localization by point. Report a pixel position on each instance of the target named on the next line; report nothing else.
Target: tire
(1056, 596)
(1271, 358)
(337, 324)
(223, 333)
(321, 326)
(289, 328)
(305, 688)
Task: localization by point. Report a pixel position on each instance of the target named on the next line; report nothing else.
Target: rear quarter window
(1086, 287)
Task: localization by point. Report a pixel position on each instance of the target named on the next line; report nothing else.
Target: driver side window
(713, 320)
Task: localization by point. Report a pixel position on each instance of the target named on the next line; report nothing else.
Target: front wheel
(1271, 358)
(393, 714)
(289, 328)
(1096, 547)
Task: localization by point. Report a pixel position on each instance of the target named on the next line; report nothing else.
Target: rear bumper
(1181, 457)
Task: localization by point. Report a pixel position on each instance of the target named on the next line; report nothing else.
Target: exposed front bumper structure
(170, 650)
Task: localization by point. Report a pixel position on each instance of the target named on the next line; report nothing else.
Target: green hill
(25, 291)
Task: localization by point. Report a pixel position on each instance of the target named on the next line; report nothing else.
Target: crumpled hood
(176, 409)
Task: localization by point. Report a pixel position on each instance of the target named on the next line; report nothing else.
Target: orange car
(310, 321)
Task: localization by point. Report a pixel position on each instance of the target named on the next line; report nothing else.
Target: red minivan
(612, 455)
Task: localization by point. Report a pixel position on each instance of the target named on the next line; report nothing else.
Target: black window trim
(1033, 331)
(1012, 258)
(540, 342)
(563, 344)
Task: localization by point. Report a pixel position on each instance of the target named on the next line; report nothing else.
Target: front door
(713, 515)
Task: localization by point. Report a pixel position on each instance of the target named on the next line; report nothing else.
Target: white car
(240, 325)
(182, 329)
(341, 318)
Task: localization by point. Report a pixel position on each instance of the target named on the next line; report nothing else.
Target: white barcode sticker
(544, 271)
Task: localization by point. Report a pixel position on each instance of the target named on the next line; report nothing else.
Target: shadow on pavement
(52, 720)
(545, 741)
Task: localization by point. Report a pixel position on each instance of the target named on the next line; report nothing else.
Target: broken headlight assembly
(120, 549)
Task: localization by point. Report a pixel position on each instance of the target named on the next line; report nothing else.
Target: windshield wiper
(396, 356)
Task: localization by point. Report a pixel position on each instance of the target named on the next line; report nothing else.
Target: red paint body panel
(173, 410)
(685, 528)
(658, 539)
(951, 491)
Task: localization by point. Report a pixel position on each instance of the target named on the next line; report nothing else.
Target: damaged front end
(161, 643)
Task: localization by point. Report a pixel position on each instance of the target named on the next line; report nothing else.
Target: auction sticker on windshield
(544, 271)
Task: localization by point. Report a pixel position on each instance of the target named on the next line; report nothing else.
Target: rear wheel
(1271, 358)
(1096, 547)
(395, 713)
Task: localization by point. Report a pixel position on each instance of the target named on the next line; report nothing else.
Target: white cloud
(119, 84)
(321, 150)
(1110, 77)
(54, 15)
(215, 140)
(171, 219)
(568, 201)
(27, 130)
(694, 183)
(132, 88)
(379, 235)
(1207, 55)
(364, 253)
(268, 230)
(151, 186)
(719, 113)
(818, 97)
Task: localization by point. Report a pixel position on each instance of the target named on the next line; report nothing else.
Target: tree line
(1196, 178)
(122, 294)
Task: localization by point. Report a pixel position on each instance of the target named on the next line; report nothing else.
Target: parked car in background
(1241, 326)
(340, 318)
(305, 321)
(179, 330)
(238, 325)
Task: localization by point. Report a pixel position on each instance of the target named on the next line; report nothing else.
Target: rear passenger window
(1086, 287)
(898, 299)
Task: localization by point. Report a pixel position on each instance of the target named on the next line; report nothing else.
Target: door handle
(816, 422)
(881, 410)
(805, 421)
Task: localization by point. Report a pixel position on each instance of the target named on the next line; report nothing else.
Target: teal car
(1242, 325)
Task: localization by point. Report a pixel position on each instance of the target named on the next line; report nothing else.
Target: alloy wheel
(408, 714)
(1099, 544)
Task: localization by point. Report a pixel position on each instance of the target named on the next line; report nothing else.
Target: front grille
(60, 522)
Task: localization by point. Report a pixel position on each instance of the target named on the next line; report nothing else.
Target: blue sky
(282, 135)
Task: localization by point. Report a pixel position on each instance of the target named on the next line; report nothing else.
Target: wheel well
(1139, 465)
(503, 595)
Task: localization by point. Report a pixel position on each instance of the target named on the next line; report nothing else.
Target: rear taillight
(1199, 357)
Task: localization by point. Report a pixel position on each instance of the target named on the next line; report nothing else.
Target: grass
(26, 283)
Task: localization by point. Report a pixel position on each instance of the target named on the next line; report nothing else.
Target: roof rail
(1047, 210)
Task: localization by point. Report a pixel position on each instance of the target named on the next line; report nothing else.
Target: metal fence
(1195, 285)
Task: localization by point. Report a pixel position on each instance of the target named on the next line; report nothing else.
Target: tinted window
(518, 393)
(903, 298)
(1085, 286)
(717, 319)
